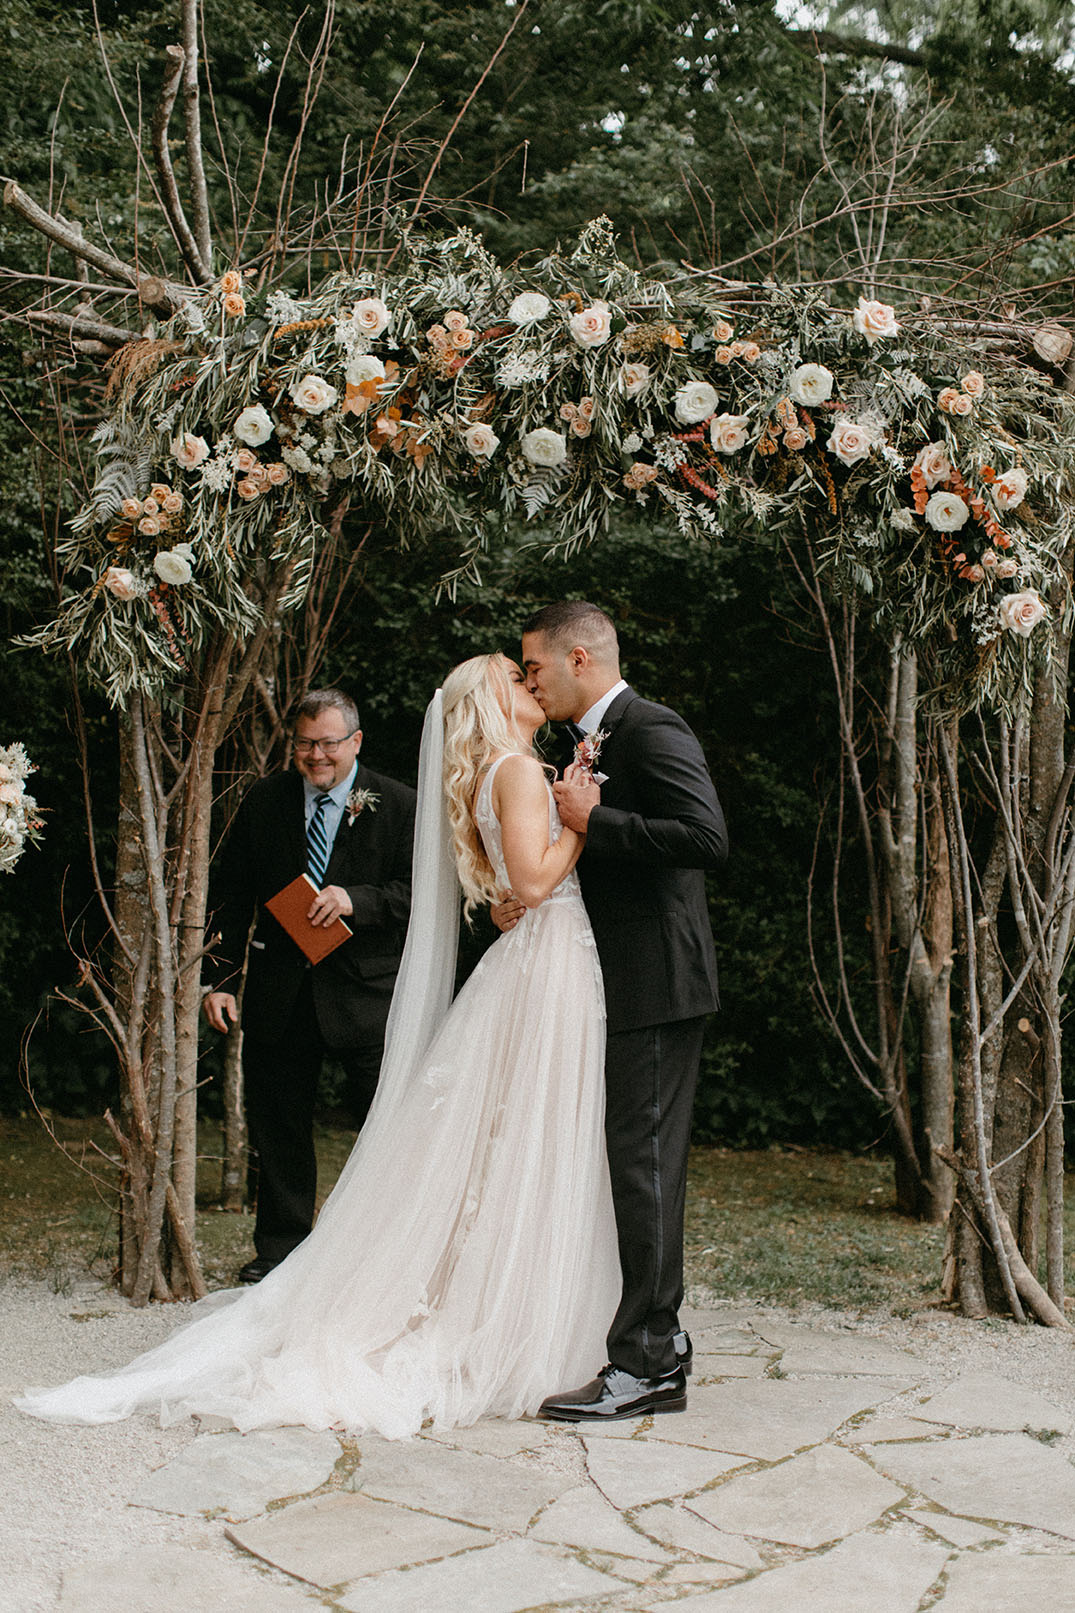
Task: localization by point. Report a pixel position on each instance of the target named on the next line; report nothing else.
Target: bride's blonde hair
(476, 730)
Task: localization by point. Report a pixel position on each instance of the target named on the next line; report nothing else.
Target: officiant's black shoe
(255, 1270)
(614, 1394)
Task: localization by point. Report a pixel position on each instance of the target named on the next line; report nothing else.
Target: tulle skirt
(465, 1263)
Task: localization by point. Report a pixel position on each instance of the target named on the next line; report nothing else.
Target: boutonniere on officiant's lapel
(360, 801)
(588, 752)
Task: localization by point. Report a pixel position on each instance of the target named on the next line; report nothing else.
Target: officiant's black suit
(658, 828)
(292, 1013)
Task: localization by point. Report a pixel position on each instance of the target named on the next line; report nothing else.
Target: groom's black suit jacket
(658, 827)
(371, 859)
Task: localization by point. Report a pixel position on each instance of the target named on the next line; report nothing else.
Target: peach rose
(119, 581)
(437, 333)
(313, 394)
(172, 503)
(634, 379)
(973, 383)
(189, 451)
(580, 426)
(961, 404)
(244, 461)
(248, 489)
(586, 408)
(850, 441)
(874, 319)
(729, 432)
(277, 475)
(1021, 613)
(131, 509)
(933, 462)
(159, 491)
(795, 439)
(1009, 489)
(989, 559)
(1008, 567)
(460, 339)
(722, 331)
(639, 476)
(371, 316)
(750, 353)
(481, 440)
(723, 355)
(231, 281)
(150, 506)
(150, 526)
(234, 305)
(972, 573)
(591, 327)
(454, 320)
(946, 397)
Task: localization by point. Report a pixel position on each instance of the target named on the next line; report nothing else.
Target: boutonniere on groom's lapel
(360, 801)
(588, 752)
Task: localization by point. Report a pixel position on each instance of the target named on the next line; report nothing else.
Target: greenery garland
(451, 393)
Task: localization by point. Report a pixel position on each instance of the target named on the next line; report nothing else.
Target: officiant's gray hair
(575, 621)
(319, 700)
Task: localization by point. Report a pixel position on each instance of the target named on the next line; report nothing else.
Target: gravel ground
(64, 1490)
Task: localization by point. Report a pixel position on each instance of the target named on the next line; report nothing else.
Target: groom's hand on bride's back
(507, 913)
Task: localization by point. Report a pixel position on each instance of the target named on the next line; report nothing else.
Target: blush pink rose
(592, 326)
(276, 475)
(850, 441)
(244, 461)
(131, 509)
(722, 331)
(933, 462)
(729, 432)
(189, 451)
(119, 581)
(454, 320)
(371, 316)
(150, 526)
(973, 383)
(795, 439)
(1021, 613)
(234, 304)
(874, 319)
(1008, 567)
(172, 503)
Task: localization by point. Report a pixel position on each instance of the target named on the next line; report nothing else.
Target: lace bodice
(489, 828)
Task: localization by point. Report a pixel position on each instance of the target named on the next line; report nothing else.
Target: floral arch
(451, 393)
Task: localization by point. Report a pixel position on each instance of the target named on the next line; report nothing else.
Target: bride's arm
(521, 802)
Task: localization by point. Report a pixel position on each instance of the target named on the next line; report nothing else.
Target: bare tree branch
(199, 194)
(173, 206)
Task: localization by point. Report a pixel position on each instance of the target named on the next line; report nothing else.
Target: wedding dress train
(465, 1263)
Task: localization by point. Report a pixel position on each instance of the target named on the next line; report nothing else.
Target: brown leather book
(290, 906)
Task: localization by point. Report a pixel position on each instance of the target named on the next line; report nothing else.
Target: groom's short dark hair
(576, 621)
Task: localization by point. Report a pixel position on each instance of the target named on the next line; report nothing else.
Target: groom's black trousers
(650, 1078)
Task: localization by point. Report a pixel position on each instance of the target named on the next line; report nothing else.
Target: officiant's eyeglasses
(329, 746)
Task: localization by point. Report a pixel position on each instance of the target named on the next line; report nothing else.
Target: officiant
(351, 831)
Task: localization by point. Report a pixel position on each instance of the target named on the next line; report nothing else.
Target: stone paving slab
(985, 1400)
(495, 1437)
(168, 1579)
(679, 1526)
(1007, 1478)
(882, 1429)
(807, 1350)
(239, 1474)
(992, 1583)
(712, 1364)
(821, 1496)
(773, 1417)
(957, 1531)
(869, 1573)
(630, 1474)
(337, 1538)
(584, 1518)
(506, 1578)
(468, 1487)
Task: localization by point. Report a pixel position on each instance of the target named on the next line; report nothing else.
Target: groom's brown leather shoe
(615, 1394)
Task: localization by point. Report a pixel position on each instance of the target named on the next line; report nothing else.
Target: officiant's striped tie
(317, 843)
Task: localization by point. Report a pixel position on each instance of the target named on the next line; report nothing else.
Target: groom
(658, 826)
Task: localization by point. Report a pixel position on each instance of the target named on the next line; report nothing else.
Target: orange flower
(231, 281)
(234, 305)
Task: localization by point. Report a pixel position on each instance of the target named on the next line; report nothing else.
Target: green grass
(777, 1225)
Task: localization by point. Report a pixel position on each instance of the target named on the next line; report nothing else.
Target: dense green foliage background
(707, 134)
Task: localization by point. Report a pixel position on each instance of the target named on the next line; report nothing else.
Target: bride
(465, 1263)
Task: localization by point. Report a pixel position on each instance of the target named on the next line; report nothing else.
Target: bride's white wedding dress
(465, 1263)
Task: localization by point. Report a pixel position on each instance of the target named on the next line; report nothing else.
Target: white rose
(694, 402)
(313, 394)
(189, 451)
(527, 307)
(482, 441)
(933, 462)
(172, 567)
(593, 326)
(811, 384)
(364, 367)
(1009, 490)
(850, 441)
(874, 319)
(371, 316)
(1021, 613)
(634, 379)
(946, 513)
(544, 447)
(253, 426)
(728, 432)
